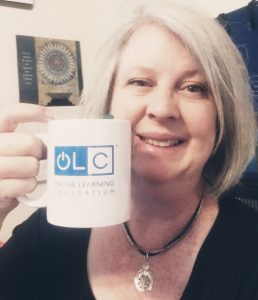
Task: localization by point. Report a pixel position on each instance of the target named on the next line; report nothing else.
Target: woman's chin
(153, 175)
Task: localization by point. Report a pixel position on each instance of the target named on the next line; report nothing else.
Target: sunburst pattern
(56, 63)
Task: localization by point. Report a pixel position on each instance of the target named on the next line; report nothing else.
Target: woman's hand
(19, 153)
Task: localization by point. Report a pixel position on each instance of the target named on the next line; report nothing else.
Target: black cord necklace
(144, 279)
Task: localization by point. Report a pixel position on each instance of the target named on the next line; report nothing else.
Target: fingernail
(107, 116)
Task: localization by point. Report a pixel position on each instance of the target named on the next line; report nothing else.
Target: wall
(69, 19)
(109, 11)
(88, 21)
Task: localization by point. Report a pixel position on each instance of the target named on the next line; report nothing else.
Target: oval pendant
(144, 280)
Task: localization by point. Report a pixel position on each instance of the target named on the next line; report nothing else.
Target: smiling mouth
(161, 143)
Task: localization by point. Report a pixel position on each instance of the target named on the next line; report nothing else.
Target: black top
(42, 261)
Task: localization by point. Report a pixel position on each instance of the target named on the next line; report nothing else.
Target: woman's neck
(164, 200)
(160, 211)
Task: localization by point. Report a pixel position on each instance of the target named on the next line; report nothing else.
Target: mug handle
(42, 201)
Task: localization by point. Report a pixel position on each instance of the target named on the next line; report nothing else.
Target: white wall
(109, 11)
(49, 18)
(64, 19)
(88, 21)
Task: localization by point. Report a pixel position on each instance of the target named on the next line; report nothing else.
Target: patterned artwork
(49, 71)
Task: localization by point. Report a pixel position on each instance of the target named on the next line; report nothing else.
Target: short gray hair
(226, 76)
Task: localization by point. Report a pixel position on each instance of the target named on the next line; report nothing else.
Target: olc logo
(84, 160)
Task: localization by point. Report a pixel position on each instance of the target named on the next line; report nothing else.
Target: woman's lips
(164, 143)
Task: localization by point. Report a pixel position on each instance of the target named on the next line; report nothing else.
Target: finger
(11, 116)
(18, 167)
(7, 205)
(13, 188)
(21, 144)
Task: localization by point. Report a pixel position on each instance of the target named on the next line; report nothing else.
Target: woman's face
(162, 90)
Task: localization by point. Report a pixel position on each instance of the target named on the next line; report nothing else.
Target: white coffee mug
(88, 173)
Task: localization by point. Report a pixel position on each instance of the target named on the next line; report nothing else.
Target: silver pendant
(144, 280)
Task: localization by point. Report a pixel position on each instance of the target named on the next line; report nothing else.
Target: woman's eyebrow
(142, 69)
(190, 73)
(181, 74)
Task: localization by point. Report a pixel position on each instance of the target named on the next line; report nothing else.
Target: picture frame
(49, 71)
(21, 1)
(20, 4)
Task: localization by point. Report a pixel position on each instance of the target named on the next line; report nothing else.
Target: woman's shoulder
(38, 250)
(236, 206)
(227, 263)
(239, 220)
(37, 230)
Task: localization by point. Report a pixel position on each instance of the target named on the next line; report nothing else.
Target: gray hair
(226, 76)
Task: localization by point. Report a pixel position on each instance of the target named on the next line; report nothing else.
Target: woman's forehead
(152, 46)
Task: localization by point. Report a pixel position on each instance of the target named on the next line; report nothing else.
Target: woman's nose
(163, 106)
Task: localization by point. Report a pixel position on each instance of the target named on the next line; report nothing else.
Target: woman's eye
(140, 82)
(196, 88)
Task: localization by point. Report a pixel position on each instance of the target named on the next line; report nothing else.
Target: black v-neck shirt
(42, 261)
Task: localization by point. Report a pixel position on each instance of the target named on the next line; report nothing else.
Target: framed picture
(50, 72)
(21, 1)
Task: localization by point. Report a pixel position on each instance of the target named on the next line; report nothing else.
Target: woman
(178, 78)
